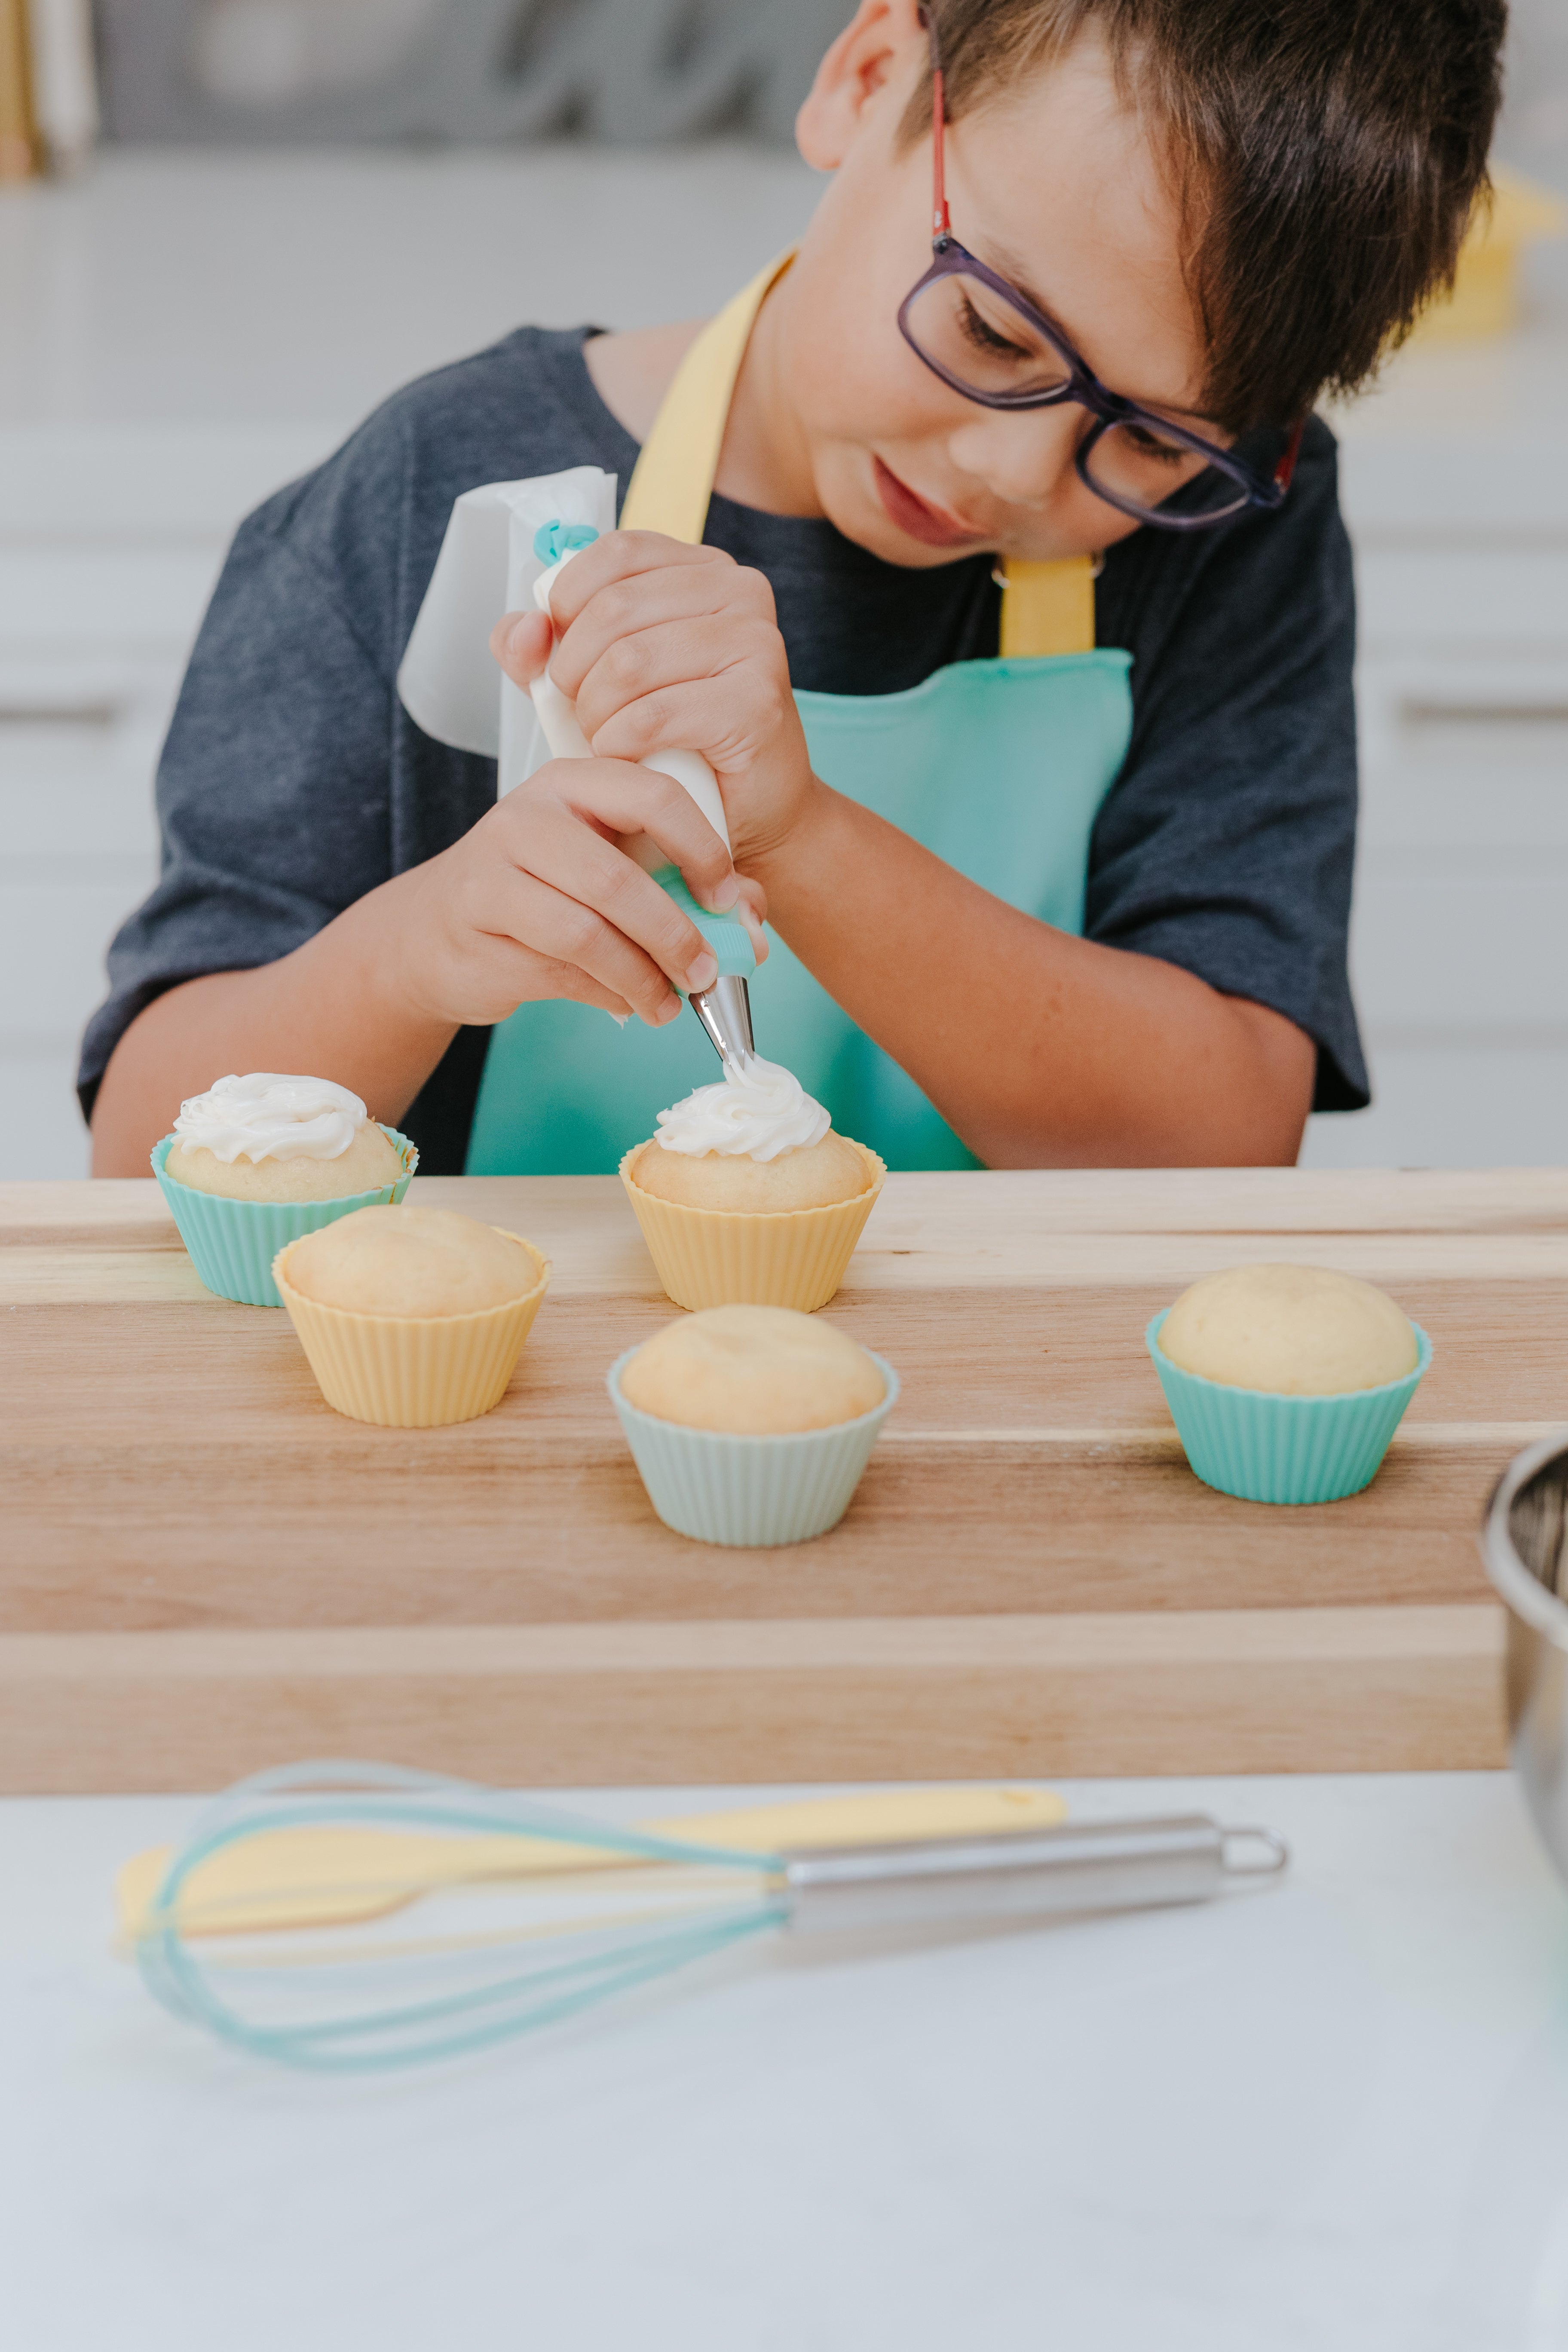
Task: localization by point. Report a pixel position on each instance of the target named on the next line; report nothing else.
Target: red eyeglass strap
(1287, 466)
(941, 223)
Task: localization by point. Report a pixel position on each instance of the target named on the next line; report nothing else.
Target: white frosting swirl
(758, 1114)
(268, 1117)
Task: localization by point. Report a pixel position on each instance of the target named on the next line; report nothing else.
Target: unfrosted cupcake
(751, 1424)
(746, 1195)
(753, 1371)
(257, 1161)
(412, 1318)
(1294, 1330)
(1287, 1383)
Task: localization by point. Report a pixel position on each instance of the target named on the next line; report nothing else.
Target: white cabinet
(1456, 487)
(107, 559)
(77, 848)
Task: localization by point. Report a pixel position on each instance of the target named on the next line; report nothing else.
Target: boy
(1175, 224)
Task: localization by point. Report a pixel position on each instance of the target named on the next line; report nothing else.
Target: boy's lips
(912, 513)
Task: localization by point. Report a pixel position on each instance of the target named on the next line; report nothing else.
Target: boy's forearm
(332, 1009)
(1040, 1049)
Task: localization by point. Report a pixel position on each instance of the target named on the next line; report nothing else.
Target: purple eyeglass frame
(950, 259)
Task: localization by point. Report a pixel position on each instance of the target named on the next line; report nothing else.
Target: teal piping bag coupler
(724, 1009)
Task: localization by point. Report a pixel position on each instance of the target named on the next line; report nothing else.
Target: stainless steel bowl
(1524, 1544)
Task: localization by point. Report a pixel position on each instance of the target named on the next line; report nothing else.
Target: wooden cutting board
(204, 1570)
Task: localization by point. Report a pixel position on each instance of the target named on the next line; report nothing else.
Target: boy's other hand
(538, 900)
(665, 646)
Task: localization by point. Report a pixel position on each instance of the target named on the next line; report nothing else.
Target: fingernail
(667, 1011)
(701, 974)
(725, 896)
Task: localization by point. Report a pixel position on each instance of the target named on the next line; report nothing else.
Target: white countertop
(1324, 2117)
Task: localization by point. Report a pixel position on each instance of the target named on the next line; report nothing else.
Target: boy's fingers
(531, 975)
(752, 909)
(626, 607)
(728, 719)
(621, 555)
(581, 988)
(741, 650)
(558, 849)
(577, 936)
(570, 981)
(521, 642)
(628, 799)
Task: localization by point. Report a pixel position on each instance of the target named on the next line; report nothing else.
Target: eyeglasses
(987, 341)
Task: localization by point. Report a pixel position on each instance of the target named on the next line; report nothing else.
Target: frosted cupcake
(257, 1161)
(751, 1424)
(1287, 1383)
(269, 1138)
(412, 1318)
(747, 1196)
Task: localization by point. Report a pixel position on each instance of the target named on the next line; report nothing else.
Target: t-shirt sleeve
(1227, 845)
(272, 790)
(293, 781)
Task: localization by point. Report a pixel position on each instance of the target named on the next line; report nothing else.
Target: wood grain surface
(204, 1570)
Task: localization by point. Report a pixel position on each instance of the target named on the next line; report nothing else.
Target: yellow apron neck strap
(1046, 608)
(672, 480)
(1049, 608)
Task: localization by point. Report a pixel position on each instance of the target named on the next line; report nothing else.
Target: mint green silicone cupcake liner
(724, 1490)
(233, 1242)
(1268, 1448)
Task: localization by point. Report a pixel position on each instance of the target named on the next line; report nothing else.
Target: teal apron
(998, 767)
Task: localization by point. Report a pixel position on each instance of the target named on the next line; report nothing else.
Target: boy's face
(1056, 187)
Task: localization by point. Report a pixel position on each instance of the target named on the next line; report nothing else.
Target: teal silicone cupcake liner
(723, 1489)
(1269, 1448)
(233, 1242)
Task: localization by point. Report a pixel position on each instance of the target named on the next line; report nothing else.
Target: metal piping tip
(725, 1011)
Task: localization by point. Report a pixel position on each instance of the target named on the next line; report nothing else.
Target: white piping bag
(505, 546)
(448, 681)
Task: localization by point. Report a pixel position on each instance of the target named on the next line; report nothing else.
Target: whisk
(283, 1924)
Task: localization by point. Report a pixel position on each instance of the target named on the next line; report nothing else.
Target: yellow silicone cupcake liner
(405, 1372)
(726, 1257)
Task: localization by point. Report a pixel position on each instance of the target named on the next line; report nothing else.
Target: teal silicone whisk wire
(349, 1917)
(496, 1955)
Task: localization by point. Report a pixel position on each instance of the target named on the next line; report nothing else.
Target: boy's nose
(1022, 459)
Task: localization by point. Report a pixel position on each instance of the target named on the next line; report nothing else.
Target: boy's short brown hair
(1327, 154)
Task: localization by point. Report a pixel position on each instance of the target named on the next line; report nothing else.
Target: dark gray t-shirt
(293, 781)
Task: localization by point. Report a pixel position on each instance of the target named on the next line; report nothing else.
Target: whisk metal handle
(1023, 1874)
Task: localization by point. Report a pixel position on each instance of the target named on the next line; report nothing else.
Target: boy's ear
(876, 48)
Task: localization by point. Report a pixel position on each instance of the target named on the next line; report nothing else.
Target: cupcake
(257, 1161)
(751, 1424)
(746, 1196)
(1287, 1383)
(409, 1317)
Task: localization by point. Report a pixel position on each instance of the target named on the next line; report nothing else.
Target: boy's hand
(538, 902)
(665, 646)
